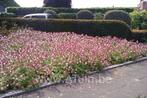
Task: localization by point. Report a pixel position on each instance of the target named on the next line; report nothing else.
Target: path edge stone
(18, 93)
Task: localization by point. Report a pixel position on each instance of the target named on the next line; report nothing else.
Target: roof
(37, 14)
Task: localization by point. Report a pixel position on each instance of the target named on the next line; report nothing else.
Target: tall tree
(7, 3)
(57, 3)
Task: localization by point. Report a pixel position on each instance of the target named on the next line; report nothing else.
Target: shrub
(67, 15)
(85, 14)
(53, 13)
(98, 16)
(4, 14)
(7, 3)
(140, 35)
(145, 19)
(21, 11)
(138, 17)
(144, 25)
(90, 27)
(118, 15)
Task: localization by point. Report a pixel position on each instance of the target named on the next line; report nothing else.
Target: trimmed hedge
(3, 14)
(21, 11)
(89, 27)
(118, 15)
(67, 16)
(84, 14)
(140, 35)
(53, 13)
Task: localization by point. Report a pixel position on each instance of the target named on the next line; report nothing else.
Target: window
(38, 16)
(27, 17)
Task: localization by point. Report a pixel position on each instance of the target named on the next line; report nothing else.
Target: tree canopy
(57, 3)
(7, 3)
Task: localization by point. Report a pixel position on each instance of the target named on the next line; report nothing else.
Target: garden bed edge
(18, 93)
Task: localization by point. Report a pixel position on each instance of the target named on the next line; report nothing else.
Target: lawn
(29, 58)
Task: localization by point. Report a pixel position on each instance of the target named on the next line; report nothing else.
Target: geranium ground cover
(29, 58)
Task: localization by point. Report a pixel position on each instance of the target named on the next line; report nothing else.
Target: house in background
(143, 5)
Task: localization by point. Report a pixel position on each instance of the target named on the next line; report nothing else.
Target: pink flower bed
(43, 51)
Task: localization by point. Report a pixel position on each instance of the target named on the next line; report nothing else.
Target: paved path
(123, 82)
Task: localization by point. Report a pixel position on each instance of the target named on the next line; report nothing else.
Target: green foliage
(138, 19)
(21, 77)
(140, 35)
(4, 14)
(6, 28)
(67, 15)
(96, 66)
(89, 27)
(80, 69)
(24, 77)
(118, 15)
(53, 13)
(58, 73)
(15, 47)
(7, 3)
(4, 81)
(98, 16)
(21, 11)
(116, 58)
(46, 61)
(85, 14)
(131, 56)
(144, 25)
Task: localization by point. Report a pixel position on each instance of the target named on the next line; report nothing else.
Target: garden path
(123, 82)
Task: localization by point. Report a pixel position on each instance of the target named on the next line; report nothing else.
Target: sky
(84, 3)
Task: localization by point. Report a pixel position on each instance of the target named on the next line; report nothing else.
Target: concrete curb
(18, 93)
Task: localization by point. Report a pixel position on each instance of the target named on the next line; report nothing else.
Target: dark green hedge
(3, 14)
(67, 16)
(20, 11)
(140, 35)
(89, 27)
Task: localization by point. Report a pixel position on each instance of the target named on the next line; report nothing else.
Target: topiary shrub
(84, 14)
(118, 15)
(67, 15)
(21, 11)
(53, 13)
(98, 16)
